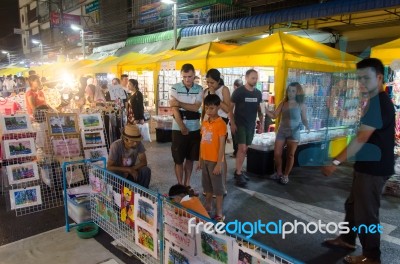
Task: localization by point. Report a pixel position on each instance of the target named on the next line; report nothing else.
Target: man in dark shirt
(245, 100)
(373, 149)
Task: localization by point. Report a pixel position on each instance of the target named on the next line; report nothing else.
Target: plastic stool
(271, 128)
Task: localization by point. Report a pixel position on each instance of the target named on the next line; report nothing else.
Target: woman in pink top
(34, 97)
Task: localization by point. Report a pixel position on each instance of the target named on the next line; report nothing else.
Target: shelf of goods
(166, 79)
(314, 148)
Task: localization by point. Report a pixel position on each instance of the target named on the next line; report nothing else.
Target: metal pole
(83, 43)
(175, 24)
(41, 52)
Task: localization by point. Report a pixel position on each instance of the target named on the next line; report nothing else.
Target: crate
(163, 135)
(260, 162)
(79, 212)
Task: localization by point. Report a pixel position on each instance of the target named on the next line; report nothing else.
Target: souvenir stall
(13, 71)
(143, 70)
(169, 73)
(389, 54)
(325, 75)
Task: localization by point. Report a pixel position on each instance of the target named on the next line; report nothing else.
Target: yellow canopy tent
(93, 67)
(198, 56)
(150, 63)
(387, 52)
(284, 51)
(113, 66)
(12, 70)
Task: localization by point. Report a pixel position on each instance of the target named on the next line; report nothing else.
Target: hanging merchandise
(327, 77)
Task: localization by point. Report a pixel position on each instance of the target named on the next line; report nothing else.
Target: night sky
(9, 19)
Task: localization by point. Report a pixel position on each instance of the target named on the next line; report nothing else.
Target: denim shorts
(288, 134)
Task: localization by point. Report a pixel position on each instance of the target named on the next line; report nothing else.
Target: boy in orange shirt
(212, 155)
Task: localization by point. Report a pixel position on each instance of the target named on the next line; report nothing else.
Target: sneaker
(240, 180)
(275, 176)
(284, 180)
(219, 218)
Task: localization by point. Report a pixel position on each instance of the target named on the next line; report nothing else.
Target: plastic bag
(145, 131)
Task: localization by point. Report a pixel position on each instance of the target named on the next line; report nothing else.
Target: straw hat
(132, 132)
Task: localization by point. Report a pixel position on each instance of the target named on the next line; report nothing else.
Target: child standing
(212, 155)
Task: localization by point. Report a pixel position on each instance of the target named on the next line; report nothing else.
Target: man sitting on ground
(127, 157)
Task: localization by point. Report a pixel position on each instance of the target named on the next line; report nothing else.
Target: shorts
(185, 146)
(244, 135)
(288, 134)
(214, 184)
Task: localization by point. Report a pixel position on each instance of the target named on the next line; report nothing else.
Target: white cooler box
(79, 211)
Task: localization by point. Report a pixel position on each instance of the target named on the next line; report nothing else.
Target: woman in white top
(216, 86)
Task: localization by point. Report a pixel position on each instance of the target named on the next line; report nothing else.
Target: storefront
(326, 75)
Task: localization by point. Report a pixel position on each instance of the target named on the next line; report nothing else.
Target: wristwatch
(336, 162)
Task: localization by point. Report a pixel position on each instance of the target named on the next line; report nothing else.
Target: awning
(12, 71)
(91, 68)
(109, 47)
(326, 9)
(149, 44)
(387, 52)
(148, 63)
(147, 48)
(198, 56)
(114, 66)
(296, 52)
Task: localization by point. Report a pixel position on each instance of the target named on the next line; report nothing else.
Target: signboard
(19, 31)
(150, 13)
(67, 19)
(199, 16)
(93, 6)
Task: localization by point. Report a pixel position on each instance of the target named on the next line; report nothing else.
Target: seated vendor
(127, 157)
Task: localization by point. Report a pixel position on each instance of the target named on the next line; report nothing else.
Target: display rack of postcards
(332, 99)
(265, 79)
(19, 165)
(127, 212)
(166, 79)
(94, 141)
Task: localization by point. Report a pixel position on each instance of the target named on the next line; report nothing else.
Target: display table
(314, 149)
(163, 135)
(164, 128)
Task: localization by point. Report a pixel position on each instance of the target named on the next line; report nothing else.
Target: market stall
(331, 92)
(143, 69)
(169, 73)
(13, 71)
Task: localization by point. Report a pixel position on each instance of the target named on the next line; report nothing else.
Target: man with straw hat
(127, 157)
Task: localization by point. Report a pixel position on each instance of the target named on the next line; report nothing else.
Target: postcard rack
(155, 229)
(35, 149)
